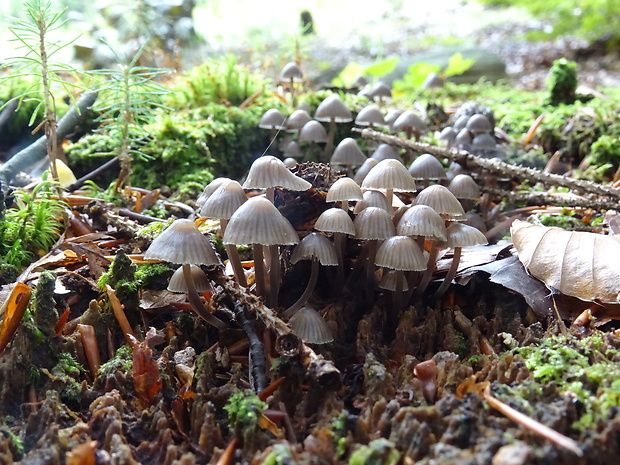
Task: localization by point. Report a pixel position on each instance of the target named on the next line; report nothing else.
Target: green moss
(121, 362)
(565, 220)
(562, 82)
(377, 452)
(244, 412)
(280, 455)
(67, 375)
(122, 278)
(44, 308)
(153, 275)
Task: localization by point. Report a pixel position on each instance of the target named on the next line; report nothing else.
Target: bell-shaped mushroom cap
(224, 201)
(373, 198)
(268, 171)
(257, 221)
(360, 81)
(303, 105)
(292, 71)
(462, 235)
(440, 199)
(464, 187)
(478, 124)
(332, 108)
(463, 138)
(177, 282)
(293, 150)
(409, 120)
(426, 166)
(370, 116)
(388, 281)
(348, 153)
(453, 169)
(210, 189)
(380, 90)
(272, 119)
(386, 152)
(373, 223)
(335, 220)
(310, 326)
(290, 162)
(461, 122)
(344, 189)
(448, 135)
(422, 220)
(313, 131)
(400, 253)
(315, 246)
(483, 141)
(389, 174)
(182, 243)
(392, 116)
(297, 120)
(363, 170)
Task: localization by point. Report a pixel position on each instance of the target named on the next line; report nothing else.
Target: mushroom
(268, 172)
(426, 167)
(184, 244)
(411, 124)
(338, 222)
(258, 222)
(448, 136)
(373, 199)
(221, 205)
(465, 190)
(386, 151)
(363, 170)
(317, 248)
(332, 110)
(297, 120)
(389, 175)
(272, 119)
(291, 73)
(210, 189)
(178, 283)
(344, 190)
(370, 116)
(381, 91)
(348, 154)
(400, 253)
(459, 236)
(293, 150)
(392, 116)
(426, 372)
(372, 225)
(440, 199)
(310, 326)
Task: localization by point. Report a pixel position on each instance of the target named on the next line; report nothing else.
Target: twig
(257, 355)
(36, 151)
(93, 174)
(536, 427)
(466, 159)
(544, 198)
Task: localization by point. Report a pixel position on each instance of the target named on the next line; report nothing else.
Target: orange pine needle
(119, 313)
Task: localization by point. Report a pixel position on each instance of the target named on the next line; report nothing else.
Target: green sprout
(244, 412)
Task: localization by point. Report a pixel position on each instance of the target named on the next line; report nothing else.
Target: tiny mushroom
(209, 190)
(310, 326)
(344, 190)
(370, 116)
(389, 175)
(268, 172)
(338, 222)
(184, 244)
(272, 119)
(373, 198)
(313, 132)
(386, 151)
(178, 283)
(332, 110)
(411, 124)
(363, 170)
(440, 199)
(348, 154)
(297, 120)
(320, 250)
(291, 73)
(425, 168)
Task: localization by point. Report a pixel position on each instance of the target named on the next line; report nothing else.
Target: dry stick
(257, 355)
(466, 159)
(36, 151)
(93, 174)
(531, 424)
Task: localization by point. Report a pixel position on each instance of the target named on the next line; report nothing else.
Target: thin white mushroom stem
(428, 274)
(274, 276)
(344, 204)
(534, 426)
(259, 269)
(451, 274)
(196, 303)
(233, 256)
(314, 276)
(389, 195)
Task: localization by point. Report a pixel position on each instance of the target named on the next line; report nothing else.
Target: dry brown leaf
(579, 264)
(13, 310)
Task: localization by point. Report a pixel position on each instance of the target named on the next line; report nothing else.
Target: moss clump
(377, 452)
(586, 368)
(122, 278)
(44, 308)
(66, 376)
(154, 275)
(562, 82)
(122, 362)
(244, 412)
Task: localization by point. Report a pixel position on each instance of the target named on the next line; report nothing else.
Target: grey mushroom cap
(272, 119)
(400, 253)
(268, 171)
(464, 187)
(370, 116)
(386, 152)
(257, 221)
(182, 243)
(422, 220)
(462, 235)
(310, 326)
(348, 153)
(315, 246)
(426, 166)
(393, 115)
(388, 281)
(335, 220)
(363, 170)
(178, 283)
(293, 150)
(313, 131)
(389, 174)
(478, 124)
(292, 71)
(332, 108)
(380, 90)
(344, 189)
(224, 201)
(210, 189)
(440, 199)
(373, 198)
(483, 141)
(297, 120)
(373, 223)
(409, 119)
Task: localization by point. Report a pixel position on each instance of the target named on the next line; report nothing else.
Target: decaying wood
(469, 160)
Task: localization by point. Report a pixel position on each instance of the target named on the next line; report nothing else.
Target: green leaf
(417, 73)
(381, 68)
(348, 75)
(458, 65)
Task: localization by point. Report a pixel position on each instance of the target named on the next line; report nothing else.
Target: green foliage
(586, 18)
(562, 82)
(30, 228)
(280, 455)
(377, 452)
(587, 368)
(418, 72)
(222, 81)
(122, 362)
(67, 376)
(374, 71)
(244, 412)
